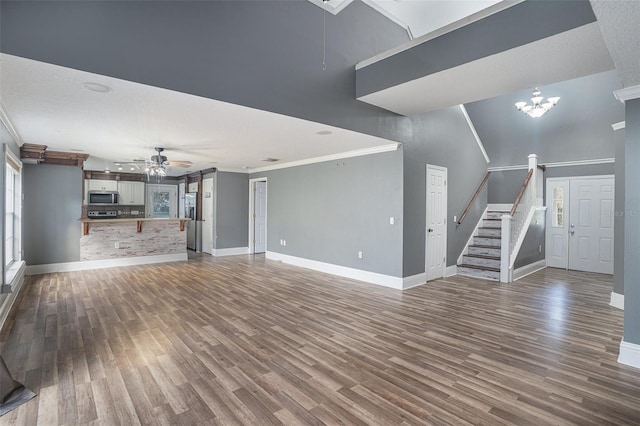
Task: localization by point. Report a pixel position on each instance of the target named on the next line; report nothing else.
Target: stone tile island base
(123, 238)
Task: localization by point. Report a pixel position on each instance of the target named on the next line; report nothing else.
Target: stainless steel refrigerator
(190, 200)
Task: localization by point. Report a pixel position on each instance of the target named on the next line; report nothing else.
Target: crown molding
(4, 117)
(557, 164)
(628, 93)
(619, 125)
(357, 153)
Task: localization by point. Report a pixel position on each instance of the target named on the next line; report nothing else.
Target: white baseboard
(104, 263)
(451, 271)
(629, 354)
(414, 280)
(529, 269)
(230, 251)
(16, 287)
(342, 271)
(617, 300)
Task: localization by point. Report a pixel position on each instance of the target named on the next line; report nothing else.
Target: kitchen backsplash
(124, 212)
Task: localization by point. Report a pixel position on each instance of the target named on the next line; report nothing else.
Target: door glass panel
(557, 220)
(161, 203)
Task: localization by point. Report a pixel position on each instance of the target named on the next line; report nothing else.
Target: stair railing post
(505, 249)
(536, 181)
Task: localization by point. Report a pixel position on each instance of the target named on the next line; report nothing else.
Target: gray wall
(52, 208)
(578, 128)
(505, 185)
(532, 249)
(494, 34)
(632, 223)
(231, 210)
(618, 224)
(329, 211)
(440, 138)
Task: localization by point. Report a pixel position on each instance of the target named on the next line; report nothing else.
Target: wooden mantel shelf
(138, 221)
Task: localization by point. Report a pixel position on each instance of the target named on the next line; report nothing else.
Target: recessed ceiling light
(96, 87)
(324, 132)
(119, 167)
(245, 167)
(107, 171)
(271, 160)
(132, 168)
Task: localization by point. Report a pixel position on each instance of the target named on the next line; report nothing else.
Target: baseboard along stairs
(482, 259)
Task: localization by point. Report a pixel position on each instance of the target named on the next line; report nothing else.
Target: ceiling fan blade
(179, 163)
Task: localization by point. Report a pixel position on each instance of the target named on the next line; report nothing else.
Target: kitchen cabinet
(131, 193)
(102, 185)
(98, 185)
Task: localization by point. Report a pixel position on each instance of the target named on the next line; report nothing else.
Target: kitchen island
(158, 239)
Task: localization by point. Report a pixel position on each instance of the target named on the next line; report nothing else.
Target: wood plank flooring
(241, 340)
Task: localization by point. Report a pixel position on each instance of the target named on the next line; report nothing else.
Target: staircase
(483, 257)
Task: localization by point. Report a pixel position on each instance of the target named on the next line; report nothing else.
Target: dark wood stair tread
(480, 268)
(483, 246)
(483, 256)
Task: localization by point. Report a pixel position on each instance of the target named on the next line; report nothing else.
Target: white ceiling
(425, 16)
(568, 55)
(47, 105)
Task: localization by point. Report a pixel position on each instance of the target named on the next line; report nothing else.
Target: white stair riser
(497, 224)
(478, 273)
(494, 242)
(489, 232)
(480, 261)
(484, 251)
(495, 215)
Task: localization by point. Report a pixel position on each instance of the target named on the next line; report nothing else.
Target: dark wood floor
(239, 340)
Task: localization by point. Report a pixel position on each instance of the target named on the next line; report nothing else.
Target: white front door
(162, 201)
(207, 215)
(260, 217)
(436, 221)
(580, 215)
(557, 235)
(591, 225)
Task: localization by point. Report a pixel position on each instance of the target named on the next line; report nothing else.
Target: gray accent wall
(532, 249)
(51, 212)
(632, 223)
(493, 34)
(329, 211)
(578, 128)
(261, 54)
(231, 211)
(441, 138)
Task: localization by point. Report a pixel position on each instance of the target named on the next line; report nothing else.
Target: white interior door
(436, 220)
(557, 235)
(207, 215)
(260, 217)
(591, 225)
(162, 201)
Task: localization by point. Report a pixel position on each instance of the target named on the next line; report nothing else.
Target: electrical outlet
(359, 255)
(284, 242)
(540, 249)
(392, 220)
(455, 219)
(117, 244)
(281, 242)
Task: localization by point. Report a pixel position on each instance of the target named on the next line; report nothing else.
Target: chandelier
(156, 170)
(538, 109)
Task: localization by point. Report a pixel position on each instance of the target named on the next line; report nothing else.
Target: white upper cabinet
(102, 185)
(131, 193)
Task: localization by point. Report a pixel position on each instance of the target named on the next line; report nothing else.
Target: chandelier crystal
(538, 109)
(156, 170)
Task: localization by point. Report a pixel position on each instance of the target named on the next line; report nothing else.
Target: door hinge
(445, 221)
(444, 259)
(445, 182)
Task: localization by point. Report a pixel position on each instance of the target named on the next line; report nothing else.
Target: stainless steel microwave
(103, 197)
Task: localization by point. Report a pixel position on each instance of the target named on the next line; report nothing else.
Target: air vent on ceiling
(271, 160)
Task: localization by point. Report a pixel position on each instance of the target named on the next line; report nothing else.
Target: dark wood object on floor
(241, 340)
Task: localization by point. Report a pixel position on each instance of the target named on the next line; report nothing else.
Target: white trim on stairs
(617, 300)
(475, 134)
(104, 263)
(629, 354)
(470, 240)
(529, 269)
